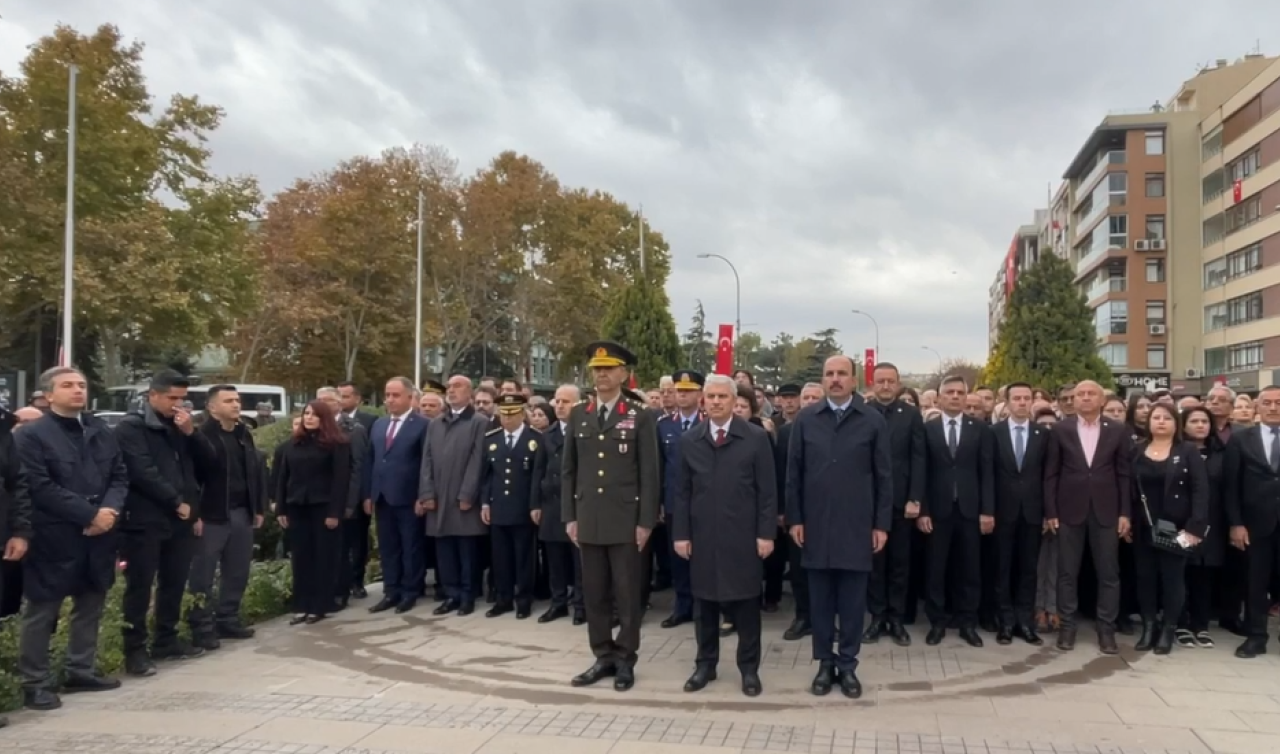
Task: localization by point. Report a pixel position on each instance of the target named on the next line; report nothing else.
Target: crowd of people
(1009, 511)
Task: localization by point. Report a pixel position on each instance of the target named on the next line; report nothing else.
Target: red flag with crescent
(724, 350)
(869, 365)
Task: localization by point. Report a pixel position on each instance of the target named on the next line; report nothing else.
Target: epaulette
(493, 431)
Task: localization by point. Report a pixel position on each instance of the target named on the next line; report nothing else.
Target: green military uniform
(611, 483)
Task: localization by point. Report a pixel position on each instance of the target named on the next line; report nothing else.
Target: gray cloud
(844, 155)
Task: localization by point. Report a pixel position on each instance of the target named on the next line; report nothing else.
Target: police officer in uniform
(514, 463)
(688, 387)
(611, 485)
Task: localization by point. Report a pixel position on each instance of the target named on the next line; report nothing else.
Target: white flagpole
(641, 240)
(417, 343)
(69, 248)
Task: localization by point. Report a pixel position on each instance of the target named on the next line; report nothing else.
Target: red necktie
(391, 433)
(720, 436)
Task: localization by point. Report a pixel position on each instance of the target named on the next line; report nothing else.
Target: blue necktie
(1019, 445)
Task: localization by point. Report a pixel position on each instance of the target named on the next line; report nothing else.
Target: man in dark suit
(687, 386)
(389, 485)
(800, 626)
(611, 487)
(959, 508)
(355, 530)
(15, 503)
(840, 509)
(1251, 481)
(891, 574)
(1086, 499)
(564, 567)
(515, 461)
(1020, 452)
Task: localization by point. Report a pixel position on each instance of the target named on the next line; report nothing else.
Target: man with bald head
(1086, 499)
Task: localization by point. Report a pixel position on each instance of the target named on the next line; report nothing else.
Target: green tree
(823, 346)
(1048, 335)
(747, 352)
(698, 347)
(640, 319)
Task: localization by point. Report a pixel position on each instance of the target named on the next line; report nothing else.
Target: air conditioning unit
(1158, 245)
(1141, 245)
(1156, 329)
(1192, 373)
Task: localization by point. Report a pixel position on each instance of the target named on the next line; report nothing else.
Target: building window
(1155, 357)
(1117, 183)
(1155, 185)
(1155, 312)
(1244, 309)
(1155, 270)
(1244, 357)
(1116, 355)
(1244, 261)
(1246, 166)
(1215, 273)
(1155, 142)
(1244, 214)
(1155, 227)
(1215, 317)
(1112, 318)
(1118, 231)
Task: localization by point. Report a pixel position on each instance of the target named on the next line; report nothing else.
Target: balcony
(1105, 161)
(1096, 256)
(1100, 211)
(1106, 286)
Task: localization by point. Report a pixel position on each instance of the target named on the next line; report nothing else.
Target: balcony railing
(1086, 224)
(1114, 157)
(1109, 285)
(1088, 260)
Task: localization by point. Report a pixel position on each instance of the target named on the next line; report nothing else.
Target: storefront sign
(1147, 382)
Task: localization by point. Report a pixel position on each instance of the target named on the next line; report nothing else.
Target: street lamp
(737, 282)
(874, 324)
(934, 351)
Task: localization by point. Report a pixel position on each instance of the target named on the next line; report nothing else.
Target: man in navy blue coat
(839, 509)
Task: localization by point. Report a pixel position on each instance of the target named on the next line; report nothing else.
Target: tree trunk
(112, 366)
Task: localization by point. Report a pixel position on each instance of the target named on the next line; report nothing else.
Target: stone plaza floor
(359, 683)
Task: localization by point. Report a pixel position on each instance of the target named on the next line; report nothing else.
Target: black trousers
(10, 588)
(662, 554)
(745, 615)
(513, 562)
(1264, 563)
(775, 568)
(1018, 559)
(1162, 579)
(355, 551)
(799, 580)
(611, 578)
(314, 554)
(564, 573)
(161, 560)
(1233, 585)
(1104, 545)
(841, 594)
(1199, 611)
(955, 561)
(891, 572)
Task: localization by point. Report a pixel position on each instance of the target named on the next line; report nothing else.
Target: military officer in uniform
(515, 461)
(688, 387)
(611, 485)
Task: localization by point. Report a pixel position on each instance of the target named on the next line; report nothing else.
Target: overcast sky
(844, 155)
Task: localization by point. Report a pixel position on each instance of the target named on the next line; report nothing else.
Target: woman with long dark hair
(313, 486)
(1203, 564)
(1136, 417)
(1170, 496)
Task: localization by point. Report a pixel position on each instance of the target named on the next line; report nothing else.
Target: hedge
(267, 596)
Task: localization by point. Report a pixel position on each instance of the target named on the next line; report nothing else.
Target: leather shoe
(1251, 648)
(899, 633)
(384, 604)
(675, 619)
(406, 605)
(850, 686)
(798, 629)
(1027, 634)
(444, 608)
(971, 637)
(624, 679)
(1067, 637)
(554, 612)
(1107, 640)
(523, 611)
(824, 680)
(76, 684)
(1004, 636)
(751, 685)
(936, 635)
(499, 608)
(702, 675)
(466, 609)
(359, 593)
(874, 631)
(41, 700)
(579, 617)
(593, 675)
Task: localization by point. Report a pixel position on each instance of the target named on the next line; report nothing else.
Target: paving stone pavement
(414, 683)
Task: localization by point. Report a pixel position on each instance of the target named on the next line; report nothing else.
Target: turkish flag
(724, 350)
(869, 364)
(1237, 192)
(631, 381)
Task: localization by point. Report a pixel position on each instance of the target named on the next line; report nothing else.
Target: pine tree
(698, 348)
(824, 346)
(640, 319)
(1048, 336)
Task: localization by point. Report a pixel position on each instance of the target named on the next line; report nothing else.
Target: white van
(127, 397)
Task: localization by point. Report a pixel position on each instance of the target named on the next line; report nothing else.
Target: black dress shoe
(1148, 638)
(1067, 637)
(988, 624)
(579, 617)
(499, 608)
(406, 605)
(314, 619)
(850, 686)
(466, 609)
(1251, 648)
(751, 685)
(624, 679)
(798, 629)
(700, 678)
(236, 631)
(178, 649)
(899, 634)
(970, 636)
(824, 680)
(553, 613)
(384, 604)
(593, 675)
(444, 608)
(297, 620)
(874, 631)
(675, 619)
(138, 664)
(770, 607)
(1004, 636)
(1028, 634)
(206, 641)
(1164, 642)
(936, 635)
(84, 684)
(41, 700)
(359, 593)
(1107, 640)
(523, 611)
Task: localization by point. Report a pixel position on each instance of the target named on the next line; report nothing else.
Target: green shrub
(266, 597)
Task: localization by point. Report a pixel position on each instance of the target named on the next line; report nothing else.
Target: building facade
(1024, 251)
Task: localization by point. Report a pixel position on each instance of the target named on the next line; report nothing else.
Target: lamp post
(874, 324)
(737, 319)
(417, 319)
(934, 351)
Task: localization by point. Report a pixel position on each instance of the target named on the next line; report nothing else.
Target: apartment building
(1134, 203)
(1024, 251)
(1240, 237)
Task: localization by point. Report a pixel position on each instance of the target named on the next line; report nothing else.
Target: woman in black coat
(1170, 484)
(312, 489)
(1204, 563)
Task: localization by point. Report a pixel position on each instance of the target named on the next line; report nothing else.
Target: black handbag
(1164, 534)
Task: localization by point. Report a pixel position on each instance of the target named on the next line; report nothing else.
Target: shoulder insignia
(493, 431)
(533, 445)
